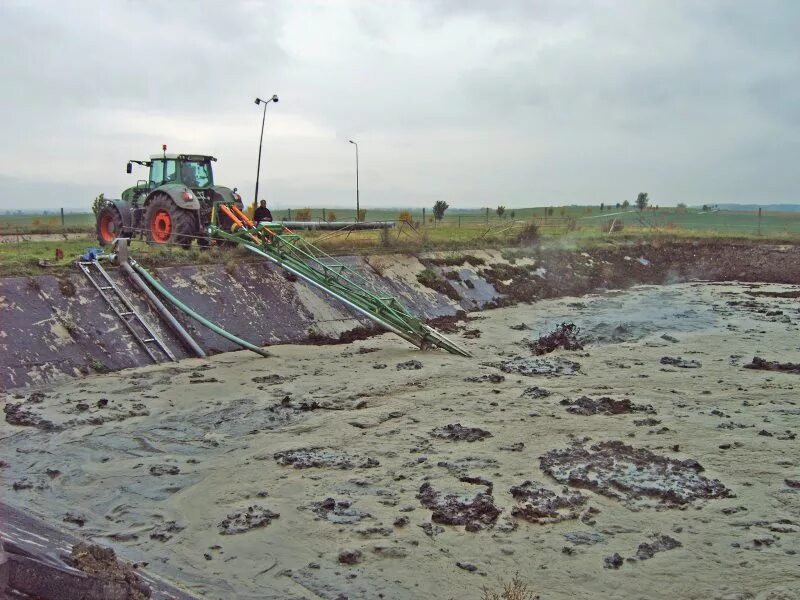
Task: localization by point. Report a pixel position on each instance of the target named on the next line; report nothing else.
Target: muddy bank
(596, 472)
(56, 327)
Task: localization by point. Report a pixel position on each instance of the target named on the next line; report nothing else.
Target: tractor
(173, 206)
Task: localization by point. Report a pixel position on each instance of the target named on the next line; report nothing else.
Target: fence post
(759, 221)
(487, 215)
(423, 216)
(459, 221)
(323, 215)
(62, 217)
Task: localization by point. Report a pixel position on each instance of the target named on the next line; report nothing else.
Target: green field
(22, 248)
(586, 219)
(46, 223)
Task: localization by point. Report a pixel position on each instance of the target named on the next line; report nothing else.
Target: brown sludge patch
(247, 519)
(304, 458)
(659, 543)
(338, 511)
(492, 378)
(682, 363)
(24, 416)
(564, 336)
(457, 432)
(766, 365)
(535, 392)
(102, 564)
(619, 471)
(604, 406)
(531, 367)
(474, 514)
(538, 504)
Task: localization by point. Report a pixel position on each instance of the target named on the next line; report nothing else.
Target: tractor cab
(192, 170)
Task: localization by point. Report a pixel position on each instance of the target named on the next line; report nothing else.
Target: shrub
(99, 366)
(331, 216)
(362, 214)
(303, 214)
(404, 216)
(516, 590)
(98, 203)
(529, 235)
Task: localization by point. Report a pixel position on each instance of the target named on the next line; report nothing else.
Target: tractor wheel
(109, 225)
(166, 223)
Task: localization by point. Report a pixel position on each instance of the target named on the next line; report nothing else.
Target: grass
(23, 258)
(47, 223)
(585, 217)
(516, 589)
(20, 255)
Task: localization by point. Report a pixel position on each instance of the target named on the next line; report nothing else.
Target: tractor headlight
(187, 196)
(237, 197)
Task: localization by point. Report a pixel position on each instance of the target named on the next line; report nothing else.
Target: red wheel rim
(107, 228)
(161, 226)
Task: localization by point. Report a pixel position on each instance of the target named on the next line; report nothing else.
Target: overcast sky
(477, 103)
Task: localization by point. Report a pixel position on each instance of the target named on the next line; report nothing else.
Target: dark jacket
(262, 214)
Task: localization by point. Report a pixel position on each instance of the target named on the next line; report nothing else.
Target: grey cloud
(479, 103)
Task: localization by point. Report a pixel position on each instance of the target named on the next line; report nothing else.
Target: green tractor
(173, 206)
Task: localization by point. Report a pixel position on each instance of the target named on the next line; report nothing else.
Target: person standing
(262, 212)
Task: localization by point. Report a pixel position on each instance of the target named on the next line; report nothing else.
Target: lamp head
(351, 141)
(275, 97)
(258, 100)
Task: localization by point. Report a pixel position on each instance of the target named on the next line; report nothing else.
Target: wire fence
(418, 228)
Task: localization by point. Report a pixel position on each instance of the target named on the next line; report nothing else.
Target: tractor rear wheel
(109, 225)
(166, 223)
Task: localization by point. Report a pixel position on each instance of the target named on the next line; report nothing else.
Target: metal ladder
(123, 308)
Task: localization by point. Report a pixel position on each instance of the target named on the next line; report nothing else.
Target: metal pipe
(406, 336)
(335, 225)
(342, 299)
(203, 321)
(187, 339)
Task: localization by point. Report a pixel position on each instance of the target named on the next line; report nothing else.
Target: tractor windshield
(196, 174)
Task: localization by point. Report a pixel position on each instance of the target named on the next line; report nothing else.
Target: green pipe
(180, 305)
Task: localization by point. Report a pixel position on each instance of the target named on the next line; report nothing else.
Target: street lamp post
(261, 141)
(358, 211)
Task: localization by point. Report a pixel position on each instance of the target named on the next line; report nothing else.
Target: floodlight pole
(358, 211)
(261, 141)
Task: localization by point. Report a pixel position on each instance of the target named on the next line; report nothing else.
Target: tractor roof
(168, 155)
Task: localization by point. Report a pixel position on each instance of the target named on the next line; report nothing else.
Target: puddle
(643, 311)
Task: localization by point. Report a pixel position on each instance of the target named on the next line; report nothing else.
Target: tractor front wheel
(109, 225)
(166, 223)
